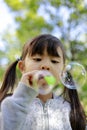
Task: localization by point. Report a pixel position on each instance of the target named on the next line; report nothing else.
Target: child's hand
(27, 78)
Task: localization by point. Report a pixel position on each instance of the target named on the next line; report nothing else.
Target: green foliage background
(67, 19)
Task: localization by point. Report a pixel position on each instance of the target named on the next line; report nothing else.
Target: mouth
(44, 87)
(40, 77)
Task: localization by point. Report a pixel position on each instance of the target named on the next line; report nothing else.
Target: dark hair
(9, 80)
(37, 46)
(77, 115)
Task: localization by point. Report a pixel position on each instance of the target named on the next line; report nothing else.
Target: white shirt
(23, 111)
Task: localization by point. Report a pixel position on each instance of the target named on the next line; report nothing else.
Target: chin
(45, 90)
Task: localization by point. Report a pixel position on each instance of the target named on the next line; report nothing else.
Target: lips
(40, 77)
(42, 82)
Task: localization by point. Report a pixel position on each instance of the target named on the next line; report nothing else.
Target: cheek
(30, 67)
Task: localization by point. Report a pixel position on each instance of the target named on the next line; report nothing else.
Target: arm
(0, 121)
(15, 108)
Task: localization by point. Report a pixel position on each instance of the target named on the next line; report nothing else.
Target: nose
(45, 67)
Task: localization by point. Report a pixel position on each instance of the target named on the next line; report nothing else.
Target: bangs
(50, 45)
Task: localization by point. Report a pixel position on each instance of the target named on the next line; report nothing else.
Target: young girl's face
(53, 64)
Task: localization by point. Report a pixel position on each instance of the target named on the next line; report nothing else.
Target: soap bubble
(44, 82)
(74, 76)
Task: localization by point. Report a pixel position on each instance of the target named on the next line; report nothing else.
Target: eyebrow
(56, 56)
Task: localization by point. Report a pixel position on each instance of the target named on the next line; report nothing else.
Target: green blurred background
(66, 19)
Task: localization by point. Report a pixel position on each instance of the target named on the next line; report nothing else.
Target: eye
(37, 59)
(54, 61)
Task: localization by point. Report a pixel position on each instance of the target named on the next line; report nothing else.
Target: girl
(27, 109)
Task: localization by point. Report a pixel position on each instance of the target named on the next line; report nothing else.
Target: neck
(44, 98)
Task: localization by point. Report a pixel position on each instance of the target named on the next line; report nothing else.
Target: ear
(21, 66)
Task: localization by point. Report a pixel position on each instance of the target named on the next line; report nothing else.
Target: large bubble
(74, 76)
